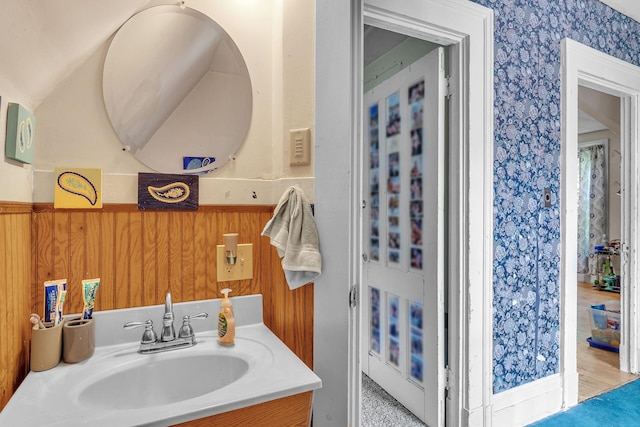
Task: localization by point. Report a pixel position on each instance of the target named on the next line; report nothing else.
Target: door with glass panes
(403, 229)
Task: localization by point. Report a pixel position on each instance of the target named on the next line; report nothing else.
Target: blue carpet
(617, 408)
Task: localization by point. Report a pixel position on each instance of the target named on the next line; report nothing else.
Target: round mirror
(177, 90)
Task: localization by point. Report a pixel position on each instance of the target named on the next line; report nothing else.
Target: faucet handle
(186, 330)
(149, 335)
(168, 304)
(202, 315)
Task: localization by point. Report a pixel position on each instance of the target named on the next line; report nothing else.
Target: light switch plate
(243, 268)
(299, 147)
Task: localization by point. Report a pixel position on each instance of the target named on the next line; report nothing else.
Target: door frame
(585, 66)
(338, 123)
(463, 27)
(468, 27)
(426, 283)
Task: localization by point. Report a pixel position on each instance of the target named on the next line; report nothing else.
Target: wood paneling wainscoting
(15, 296)
(139, 256)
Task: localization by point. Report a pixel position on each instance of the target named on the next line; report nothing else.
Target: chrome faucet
(168, 331)
(150, 342)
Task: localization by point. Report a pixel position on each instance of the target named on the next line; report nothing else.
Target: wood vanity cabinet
(290, 411)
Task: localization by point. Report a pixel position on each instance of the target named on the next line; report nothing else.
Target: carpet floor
(380, 409)
(617, 408)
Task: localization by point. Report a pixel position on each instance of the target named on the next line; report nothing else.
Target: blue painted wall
(526, 160)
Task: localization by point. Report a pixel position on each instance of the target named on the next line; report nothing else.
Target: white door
(403, 229)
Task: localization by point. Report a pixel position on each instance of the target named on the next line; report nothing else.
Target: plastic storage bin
(605, 326)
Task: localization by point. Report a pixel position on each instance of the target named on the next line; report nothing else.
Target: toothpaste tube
(89, 289)
(52, 289)
(62, 294)
(50, 298)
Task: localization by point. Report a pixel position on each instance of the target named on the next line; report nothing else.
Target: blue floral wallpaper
(526, 160)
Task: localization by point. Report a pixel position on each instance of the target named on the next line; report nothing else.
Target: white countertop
(51, 398)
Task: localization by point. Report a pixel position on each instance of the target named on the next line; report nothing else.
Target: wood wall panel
(106, 294)
(149, 259)
(139, 255)
(200, 256)
(15, 294)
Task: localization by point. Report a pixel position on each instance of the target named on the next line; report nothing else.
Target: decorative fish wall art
(21, 126)
(158, 191)
(78, 188)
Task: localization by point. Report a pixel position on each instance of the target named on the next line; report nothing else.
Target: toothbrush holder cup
(78, 340)
(46, 347)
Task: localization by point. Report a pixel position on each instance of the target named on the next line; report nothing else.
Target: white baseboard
(526, 404)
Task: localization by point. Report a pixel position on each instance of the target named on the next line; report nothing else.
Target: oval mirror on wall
(177, 90)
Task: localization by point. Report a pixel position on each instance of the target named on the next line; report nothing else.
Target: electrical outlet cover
(242, 270)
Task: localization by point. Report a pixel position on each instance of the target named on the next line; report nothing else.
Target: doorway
(468, 29)
(599, 236)
(596, 72)
(402, 327)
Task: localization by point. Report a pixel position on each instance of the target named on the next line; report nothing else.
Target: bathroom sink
(119, 386)
(156, 381)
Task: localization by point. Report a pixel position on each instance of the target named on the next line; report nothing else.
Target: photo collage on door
(417, 360)
(375, 320)
(393, 180)
(385, 167)
(394, 331)
(374, 183)
(416, 99)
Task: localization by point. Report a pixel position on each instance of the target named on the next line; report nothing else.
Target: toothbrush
(37, 323)
(61, 299)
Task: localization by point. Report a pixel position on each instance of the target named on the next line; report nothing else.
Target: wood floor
(599, 370)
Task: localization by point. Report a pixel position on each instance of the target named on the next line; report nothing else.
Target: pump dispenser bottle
(226, 322)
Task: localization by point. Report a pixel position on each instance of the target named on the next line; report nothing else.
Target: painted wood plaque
(78, 188)
(20, 133)
(158, 191)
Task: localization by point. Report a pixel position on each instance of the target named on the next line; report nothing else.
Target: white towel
(293, 232)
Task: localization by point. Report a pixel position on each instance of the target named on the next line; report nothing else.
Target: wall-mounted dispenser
(234, 261)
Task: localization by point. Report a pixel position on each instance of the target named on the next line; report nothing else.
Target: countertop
(52, 397)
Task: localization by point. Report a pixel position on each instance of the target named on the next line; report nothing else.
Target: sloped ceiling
(44, 41)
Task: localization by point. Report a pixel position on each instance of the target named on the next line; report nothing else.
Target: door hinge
(448, 90)
(353, 296)
(447, 377)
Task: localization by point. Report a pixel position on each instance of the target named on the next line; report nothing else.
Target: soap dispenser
(226, 322)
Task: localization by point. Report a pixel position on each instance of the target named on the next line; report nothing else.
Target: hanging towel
(293, 232)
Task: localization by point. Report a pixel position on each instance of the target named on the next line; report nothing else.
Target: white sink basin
(120, 387)
(161, 381)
